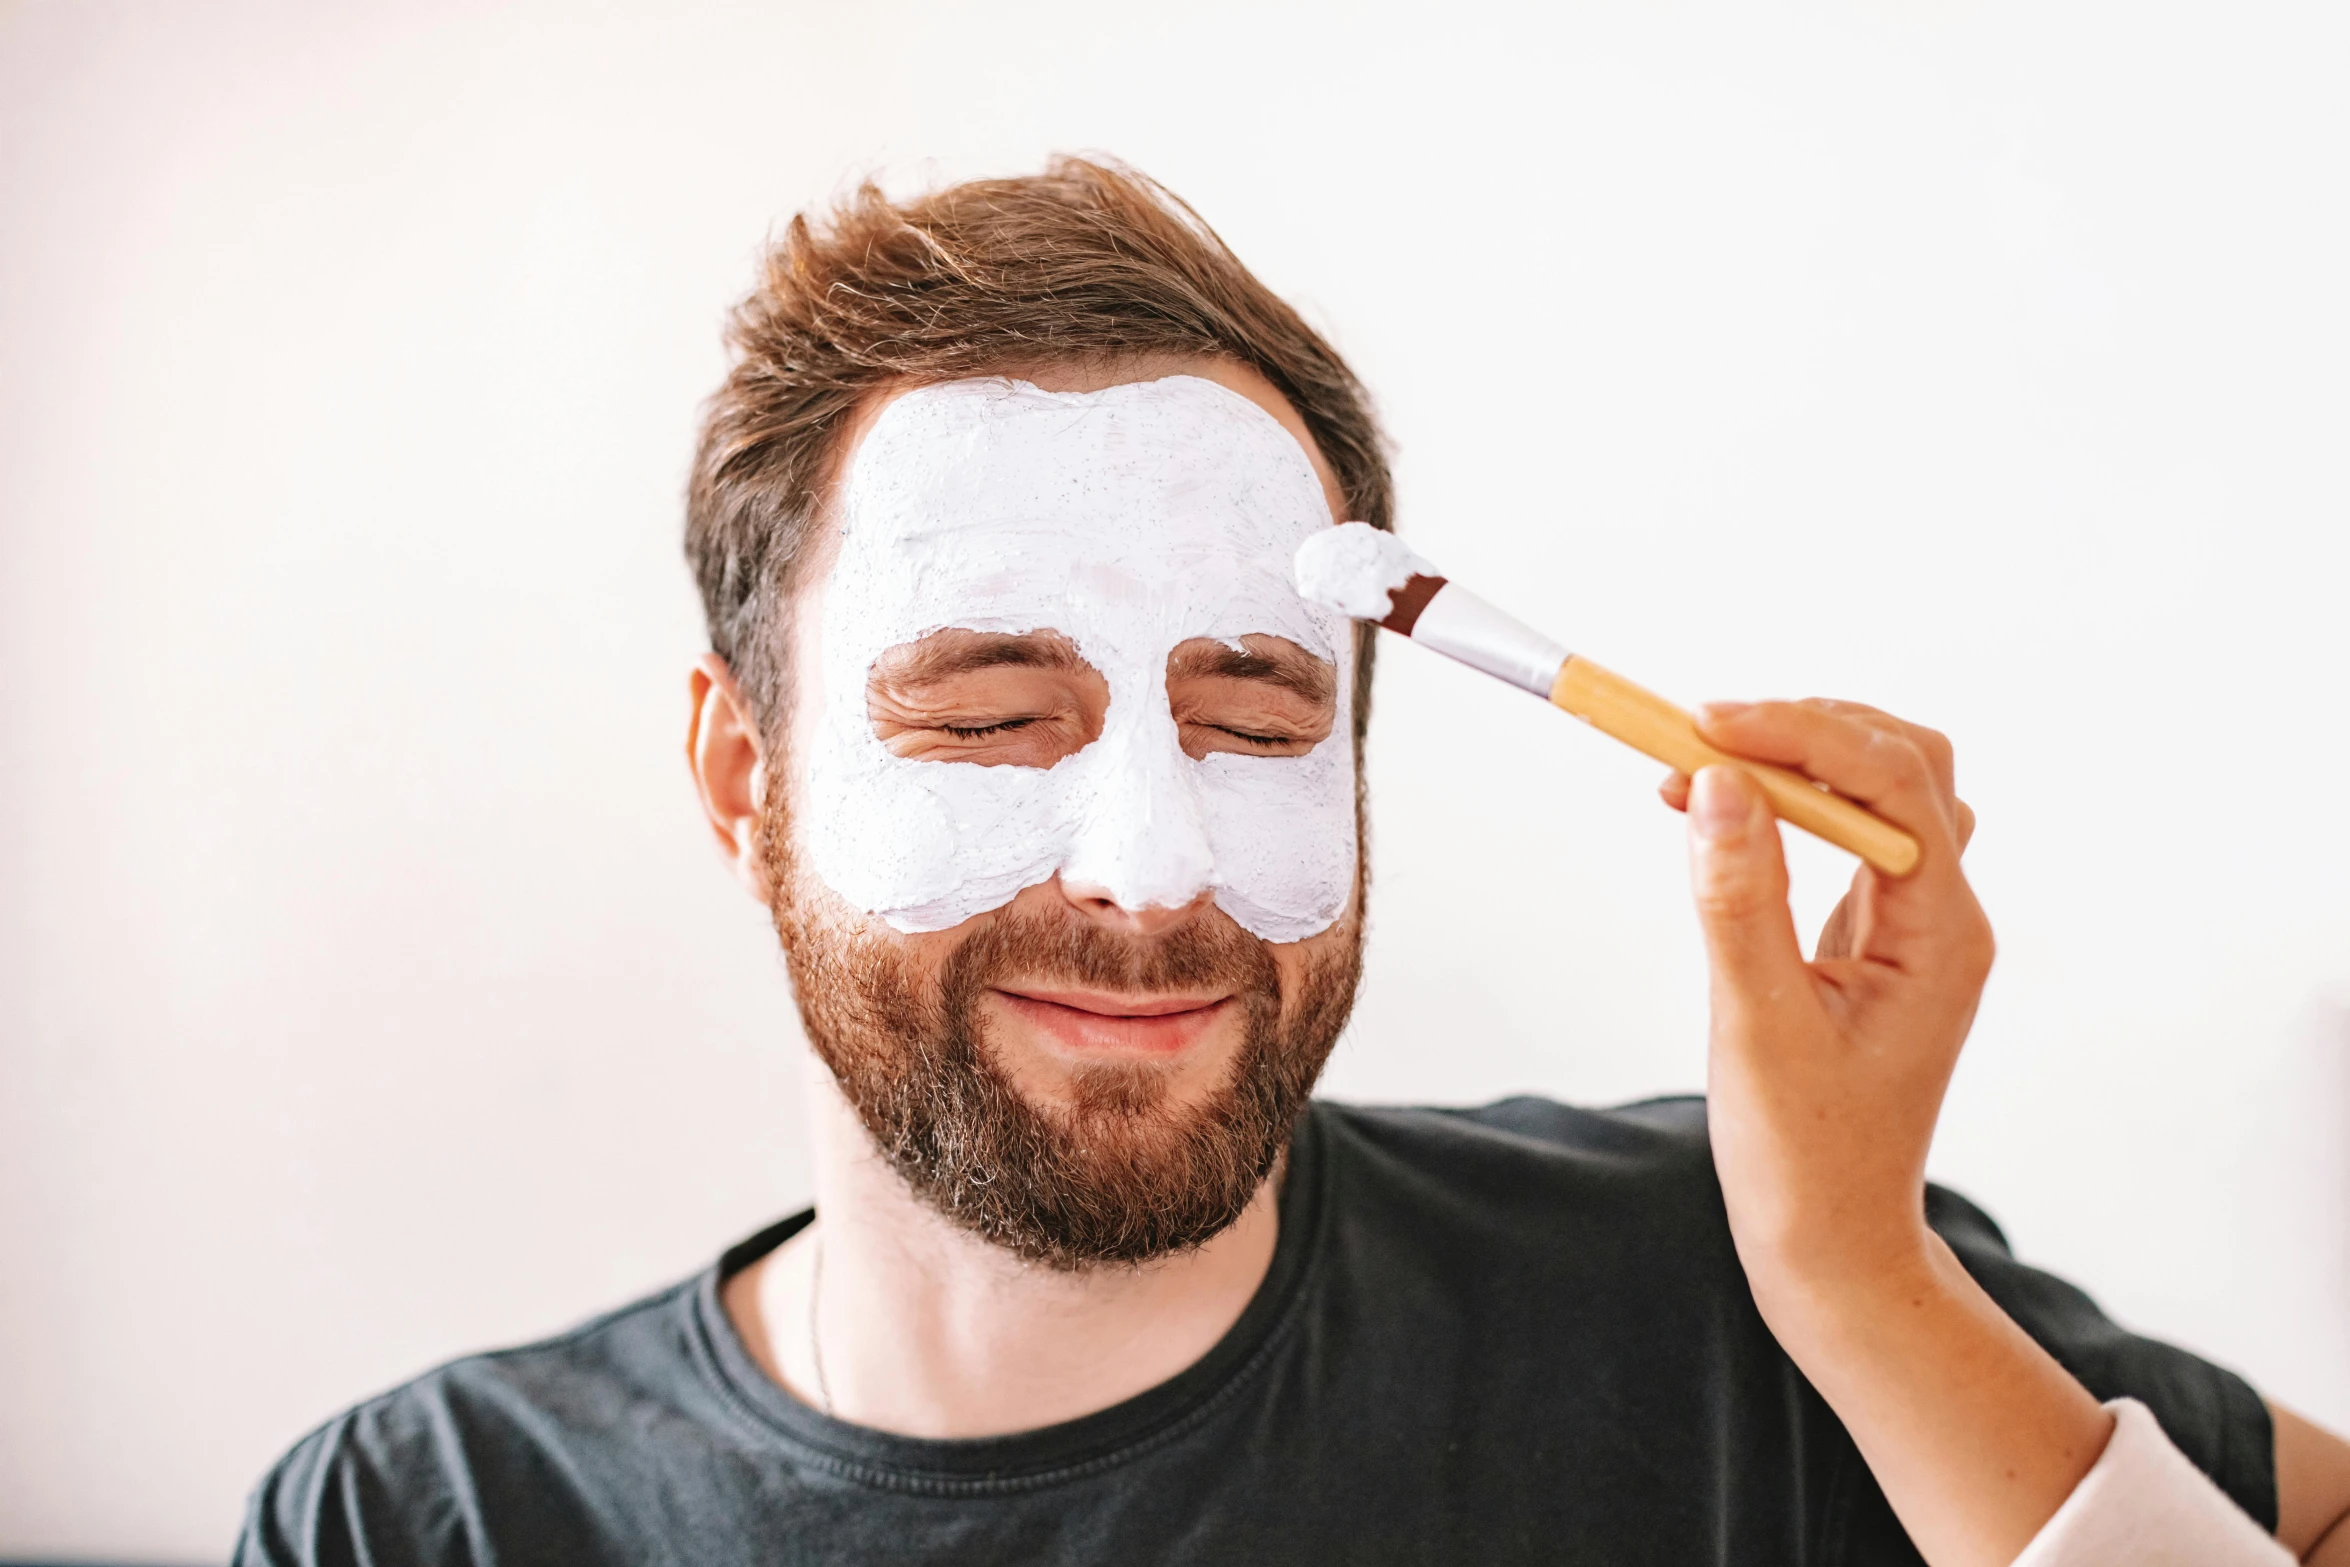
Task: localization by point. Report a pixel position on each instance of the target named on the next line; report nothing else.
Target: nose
(1140, 859)
(1097, 904)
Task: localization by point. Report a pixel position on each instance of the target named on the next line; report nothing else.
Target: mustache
(1209, 951)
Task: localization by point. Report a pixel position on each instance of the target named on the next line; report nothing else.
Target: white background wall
(367, 992)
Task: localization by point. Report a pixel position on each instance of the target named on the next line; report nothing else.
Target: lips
(1102, 1004)
(1097, 1021)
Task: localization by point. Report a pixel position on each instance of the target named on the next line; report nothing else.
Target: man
(1017, 724)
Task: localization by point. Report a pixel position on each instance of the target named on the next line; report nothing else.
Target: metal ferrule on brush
(1460, 625)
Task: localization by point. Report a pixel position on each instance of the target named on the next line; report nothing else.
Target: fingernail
(1719, 712)
(1717, 808)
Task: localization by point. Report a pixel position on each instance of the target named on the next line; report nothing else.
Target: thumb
(1739, 875)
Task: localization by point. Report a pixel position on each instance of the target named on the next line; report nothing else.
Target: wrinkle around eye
(1026, 740)
(995, 701)
(1203, 736)
(1264, 696)
(988, 736)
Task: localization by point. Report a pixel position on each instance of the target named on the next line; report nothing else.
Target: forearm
(1824, 1080)
(1974, 1432)
(2313, 1488)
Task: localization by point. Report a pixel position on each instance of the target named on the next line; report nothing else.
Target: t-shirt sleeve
(300, 1513)
(367, 1489)
(2212, 1416)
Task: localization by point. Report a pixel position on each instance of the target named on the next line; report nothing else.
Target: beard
(1121, 1173)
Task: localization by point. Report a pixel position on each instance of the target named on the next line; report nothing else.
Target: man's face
(1063, 848)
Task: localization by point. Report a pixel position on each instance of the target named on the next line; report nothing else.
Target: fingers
(1837, 933)
(1928, 921)
(1674, 788)
(1739, 877)
(1895, 769)
(1932, 743)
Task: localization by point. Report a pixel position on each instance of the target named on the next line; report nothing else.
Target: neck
(927, 1330)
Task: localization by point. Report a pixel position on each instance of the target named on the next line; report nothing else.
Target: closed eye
(980, 731)
(1264, 696)
(986, 699)
(1266, 741)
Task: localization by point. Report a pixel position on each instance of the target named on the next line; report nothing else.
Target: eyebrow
(1291, 668)
(943, 655)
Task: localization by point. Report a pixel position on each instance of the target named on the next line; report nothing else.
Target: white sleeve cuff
(2146, 1505)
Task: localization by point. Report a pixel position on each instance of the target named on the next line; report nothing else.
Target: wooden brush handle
(1647, 722)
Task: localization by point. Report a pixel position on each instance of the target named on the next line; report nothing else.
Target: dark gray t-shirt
(1510, 1334)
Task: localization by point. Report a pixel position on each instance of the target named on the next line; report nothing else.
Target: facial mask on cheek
(1129, 520)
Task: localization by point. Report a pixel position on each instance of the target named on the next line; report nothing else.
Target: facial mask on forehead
(1129, 520)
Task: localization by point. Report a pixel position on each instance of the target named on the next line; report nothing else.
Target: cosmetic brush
(1370, 575)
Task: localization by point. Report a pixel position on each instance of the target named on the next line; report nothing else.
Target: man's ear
(730, 773)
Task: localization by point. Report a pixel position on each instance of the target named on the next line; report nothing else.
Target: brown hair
(1085, 263)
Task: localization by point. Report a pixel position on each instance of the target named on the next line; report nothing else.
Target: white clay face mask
(1129, 520)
